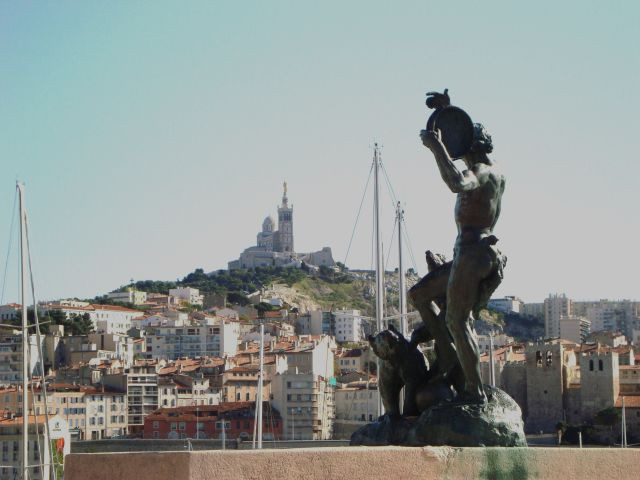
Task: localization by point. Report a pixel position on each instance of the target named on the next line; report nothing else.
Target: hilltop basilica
(274, 247)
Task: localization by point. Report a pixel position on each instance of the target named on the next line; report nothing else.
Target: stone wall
(157, 445)
(356, 463)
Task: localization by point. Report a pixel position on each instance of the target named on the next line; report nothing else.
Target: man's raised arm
(456, 180)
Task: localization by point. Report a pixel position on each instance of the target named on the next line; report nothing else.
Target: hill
(299, 288)
(324, 289)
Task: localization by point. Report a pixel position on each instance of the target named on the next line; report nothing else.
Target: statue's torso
(477, 210)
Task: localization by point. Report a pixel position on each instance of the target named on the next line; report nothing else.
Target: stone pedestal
(498, 423)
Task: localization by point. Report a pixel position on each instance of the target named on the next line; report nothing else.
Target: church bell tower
(284, 241)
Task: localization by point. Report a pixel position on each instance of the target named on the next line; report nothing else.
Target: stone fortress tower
(546, 381)
(275, 246)
(599, 376)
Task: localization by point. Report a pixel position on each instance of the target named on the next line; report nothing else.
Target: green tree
(80, 324)
(264, 307)
(238, 298)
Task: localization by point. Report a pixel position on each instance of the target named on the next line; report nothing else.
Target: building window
(538, 358)
(591, 365)
(156, 425)
(549, 358)
(600, 365)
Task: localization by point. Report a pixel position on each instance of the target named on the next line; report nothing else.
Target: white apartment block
(187, 295)
(555, 307)
(356, 404)
(574, 328)
(314, 356)
(113, 319)
(499, 340)
(105, 318)
(134, 297)
(141, 384)
(11, 358)
(614, 316)
(217, 340)
(89, 412)
(11, 443)
(186, 391)
(348, 325)
(306, 403)
(123, 346)
(506, 304)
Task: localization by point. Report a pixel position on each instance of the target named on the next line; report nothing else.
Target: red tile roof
(114, 308)
(630, 401)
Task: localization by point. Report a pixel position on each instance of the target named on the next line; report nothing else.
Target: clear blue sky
(153, 137)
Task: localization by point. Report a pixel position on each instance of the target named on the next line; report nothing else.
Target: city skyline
(154, 139)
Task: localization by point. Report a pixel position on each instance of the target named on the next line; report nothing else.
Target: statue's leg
(470, 266)
(390, 384)
(434, 286)
(410, 407)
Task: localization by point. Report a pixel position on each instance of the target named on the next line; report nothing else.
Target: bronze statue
(460, 283)
(453, 407)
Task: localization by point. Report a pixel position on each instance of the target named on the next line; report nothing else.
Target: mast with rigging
(379, 264)
(24, 459)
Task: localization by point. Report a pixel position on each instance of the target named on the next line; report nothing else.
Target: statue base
(497, 423)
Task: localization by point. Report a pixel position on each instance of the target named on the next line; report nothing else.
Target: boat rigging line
(355, 225)
(9, 244)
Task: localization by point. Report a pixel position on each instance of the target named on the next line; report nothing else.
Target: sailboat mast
(25, 337)
(401, 278)
(379, 271)
(260, 383)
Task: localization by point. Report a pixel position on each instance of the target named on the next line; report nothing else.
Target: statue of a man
(458, 284)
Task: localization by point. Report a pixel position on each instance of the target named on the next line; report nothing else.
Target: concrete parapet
(164, 445)
(356, 463)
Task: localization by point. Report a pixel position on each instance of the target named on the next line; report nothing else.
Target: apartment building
(11, 446)
(90, 413)
(227, 420)
(356, 404)
(218, 339)
(11, 358)
(187, 295)
(555, 307)
(306, 403)
(134, 297)
(140, 382)
(184, 390)
(348, 325)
